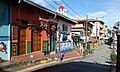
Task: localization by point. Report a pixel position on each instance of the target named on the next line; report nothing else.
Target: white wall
(60, 24)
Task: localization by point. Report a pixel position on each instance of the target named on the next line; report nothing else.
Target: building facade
(27, 28)
(5, 26)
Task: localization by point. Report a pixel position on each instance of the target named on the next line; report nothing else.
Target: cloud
(111, 15)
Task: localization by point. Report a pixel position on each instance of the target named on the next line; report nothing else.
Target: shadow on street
(79, 67)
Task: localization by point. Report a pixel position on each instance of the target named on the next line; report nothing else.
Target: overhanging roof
(89, 20)
(50, 11)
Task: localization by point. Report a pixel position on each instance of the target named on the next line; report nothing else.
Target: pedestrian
(62, 55)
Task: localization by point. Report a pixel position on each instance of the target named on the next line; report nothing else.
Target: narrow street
(100, 56)
(99, 61)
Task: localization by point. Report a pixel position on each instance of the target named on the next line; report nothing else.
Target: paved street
(99, 61)
(100, 56)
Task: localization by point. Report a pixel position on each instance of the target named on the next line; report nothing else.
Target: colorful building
(5, 26)
(29, 29)
(84, 29)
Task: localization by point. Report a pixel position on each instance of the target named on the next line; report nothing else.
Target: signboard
(4, 38)
(65, 46)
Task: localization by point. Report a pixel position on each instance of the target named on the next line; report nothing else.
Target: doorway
(36, 41)
(22, 41)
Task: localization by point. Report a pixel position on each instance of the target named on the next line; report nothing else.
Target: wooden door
(36, 41)
(22, 41)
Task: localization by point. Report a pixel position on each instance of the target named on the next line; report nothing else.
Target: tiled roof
(89, 20)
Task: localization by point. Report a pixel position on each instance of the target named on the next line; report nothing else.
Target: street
(99, 61)
(100, 56)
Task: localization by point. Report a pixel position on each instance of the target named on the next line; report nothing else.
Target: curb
(41, 66)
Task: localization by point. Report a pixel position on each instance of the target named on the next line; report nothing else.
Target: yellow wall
(78, 25)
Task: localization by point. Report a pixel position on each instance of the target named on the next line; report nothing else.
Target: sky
(106, 10)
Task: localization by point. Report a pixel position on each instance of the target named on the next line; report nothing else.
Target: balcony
(101, 31)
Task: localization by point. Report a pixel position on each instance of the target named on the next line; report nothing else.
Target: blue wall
(5, 24)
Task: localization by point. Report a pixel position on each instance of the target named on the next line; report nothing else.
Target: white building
(62, 10)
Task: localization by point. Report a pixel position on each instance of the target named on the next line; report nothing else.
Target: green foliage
(84, 52)
(113, 57)
(91, 50)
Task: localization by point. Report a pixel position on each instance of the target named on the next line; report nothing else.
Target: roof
(89, 20)
(50, 11)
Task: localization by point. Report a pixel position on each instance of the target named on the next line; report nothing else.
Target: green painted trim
(29, 47)
(46, 43)
(15, 46)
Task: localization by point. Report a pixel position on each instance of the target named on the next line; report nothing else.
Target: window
(65, 27)
(14, 32)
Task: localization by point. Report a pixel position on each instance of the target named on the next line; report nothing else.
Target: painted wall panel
(5, 21)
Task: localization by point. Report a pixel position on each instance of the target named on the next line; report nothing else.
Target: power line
(67, 11)
(71, 8)
(56, 3)
(72, 15)
(50, 4)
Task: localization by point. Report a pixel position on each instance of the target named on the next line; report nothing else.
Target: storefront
(30, 29)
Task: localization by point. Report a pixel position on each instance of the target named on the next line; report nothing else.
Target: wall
(66, 46)
(30, 13)
(94, 30)
(5, 22)
(60, 24)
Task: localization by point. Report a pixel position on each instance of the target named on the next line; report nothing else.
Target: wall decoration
(3, 47)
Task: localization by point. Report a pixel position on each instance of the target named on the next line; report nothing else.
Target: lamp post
(118, 46)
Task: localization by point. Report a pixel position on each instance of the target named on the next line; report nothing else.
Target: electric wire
(70, 8)
(56, 3)
(67, 11)
(50, 4)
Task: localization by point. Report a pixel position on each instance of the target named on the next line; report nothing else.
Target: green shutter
(29, 47)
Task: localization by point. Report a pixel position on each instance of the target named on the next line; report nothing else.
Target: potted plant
(113, 58)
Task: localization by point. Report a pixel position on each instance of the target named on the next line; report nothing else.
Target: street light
(117, 27)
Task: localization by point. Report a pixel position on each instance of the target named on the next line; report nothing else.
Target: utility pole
(86, 26)
(117, 27)
(113, 42)
(96, 31)
(118, 52)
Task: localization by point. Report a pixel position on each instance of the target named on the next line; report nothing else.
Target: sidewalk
(36, 66)
(40, 66)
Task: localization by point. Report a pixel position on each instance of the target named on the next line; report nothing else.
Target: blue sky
(105, 10)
